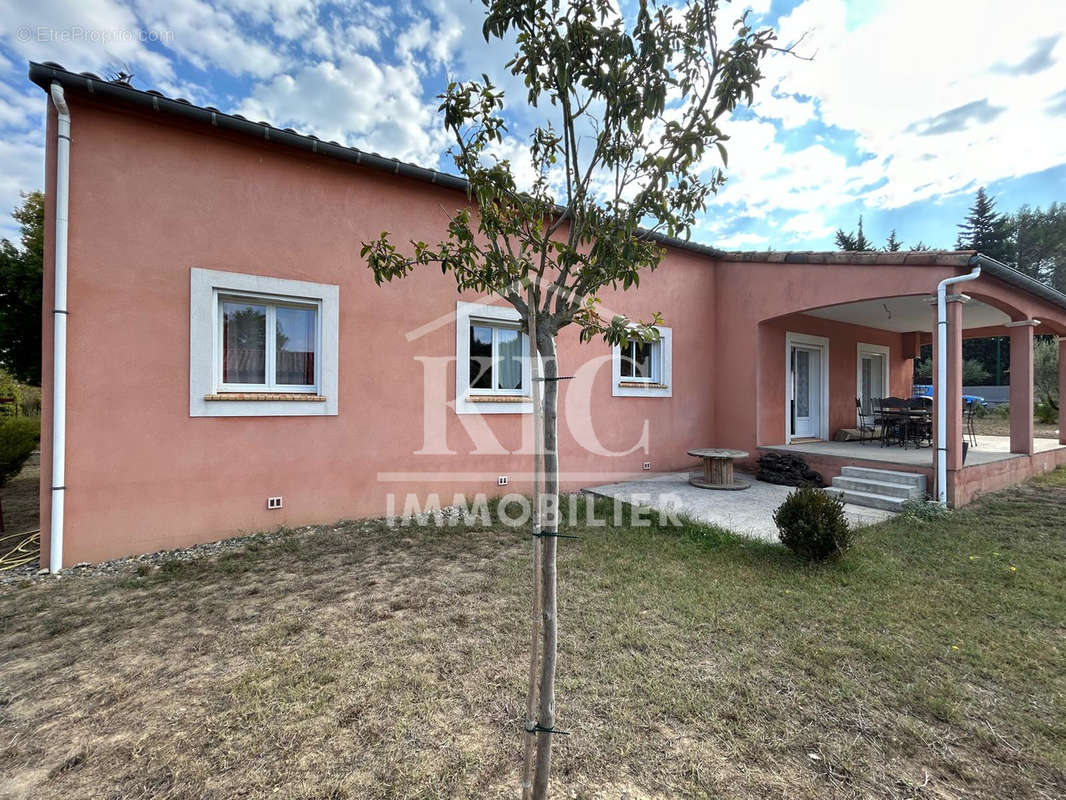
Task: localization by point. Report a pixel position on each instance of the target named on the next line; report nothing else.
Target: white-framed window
(261, 346)
(266, 344)
(643, 369)
(492, 374)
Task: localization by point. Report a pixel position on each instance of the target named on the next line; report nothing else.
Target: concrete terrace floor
(748, 512)
(988, 449)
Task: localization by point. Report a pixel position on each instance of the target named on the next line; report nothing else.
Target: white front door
(806, 386)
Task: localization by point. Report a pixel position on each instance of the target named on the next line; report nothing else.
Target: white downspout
(59, 338)
(941, 382)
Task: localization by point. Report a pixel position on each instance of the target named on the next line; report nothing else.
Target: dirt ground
(21, 497)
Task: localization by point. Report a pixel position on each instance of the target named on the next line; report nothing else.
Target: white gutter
(59, 338)
(941, 382)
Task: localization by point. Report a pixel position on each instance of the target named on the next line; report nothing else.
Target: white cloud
(210, 37)
(808, 225)
(930, 114)
(933, 101)
(92, 35)
(18, 110)
(791, 111)
(740, 241)
(23, 158)
(359, 102)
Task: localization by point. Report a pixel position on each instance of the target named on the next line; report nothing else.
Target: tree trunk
(549, 525)
(534, 644)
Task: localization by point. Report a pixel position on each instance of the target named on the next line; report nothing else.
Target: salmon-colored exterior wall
(153, 197)
(151, 201)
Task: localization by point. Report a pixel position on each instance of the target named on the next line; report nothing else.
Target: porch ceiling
(904, 314)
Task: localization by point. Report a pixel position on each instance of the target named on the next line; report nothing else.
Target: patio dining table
(909, 417)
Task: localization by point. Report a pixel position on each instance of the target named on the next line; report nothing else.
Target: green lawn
(364, 662)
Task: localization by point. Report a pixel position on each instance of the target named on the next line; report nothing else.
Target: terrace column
(1021, 385)
(1062, 390)
(953, 391)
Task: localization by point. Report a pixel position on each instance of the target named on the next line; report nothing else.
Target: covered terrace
(846, 328)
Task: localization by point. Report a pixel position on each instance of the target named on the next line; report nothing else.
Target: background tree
(1039, 239)
(892, 244)
(986, 230)
(21, 276)
(1046, 371)
(973, 372)
(630, 118)
(855, 241)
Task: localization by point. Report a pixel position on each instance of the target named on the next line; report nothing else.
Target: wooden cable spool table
(717, 469)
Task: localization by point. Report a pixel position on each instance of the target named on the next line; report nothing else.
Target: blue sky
(906, 107)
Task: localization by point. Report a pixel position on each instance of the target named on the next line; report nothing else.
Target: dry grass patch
(993, 424)
(367, 662)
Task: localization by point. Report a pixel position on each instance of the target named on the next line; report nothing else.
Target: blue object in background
(926, 390)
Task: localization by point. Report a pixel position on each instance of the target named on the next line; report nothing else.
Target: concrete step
(914, 479)
(868, 499)
(888, 488)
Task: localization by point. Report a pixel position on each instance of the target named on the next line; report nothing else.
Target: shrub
(18, 439)
(1046, 414)
(31, 400)
(10, 395)
(923, 510)
(812, 525)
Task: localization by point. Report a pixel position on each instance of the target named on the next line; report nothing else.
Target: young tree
(856, 241)
(892, 244)
(986, 230)
(21, 278)
(631, 115)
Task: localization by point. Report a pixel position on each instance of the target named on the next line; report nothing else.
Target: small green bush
(923, 510)
(18, 439)
(812, 525)
(1046, 414)
(10, 395)
(30, 404)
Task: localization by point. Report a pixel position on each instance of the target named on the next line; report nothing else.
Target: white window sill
(287, 397)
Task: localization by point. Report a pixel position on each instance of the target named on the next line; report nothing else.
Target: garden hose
(18, 549)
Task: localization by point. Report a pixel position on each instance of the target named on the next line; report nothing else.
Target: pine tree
(893, 244)
(856, 242)
(845, 241)
(985, 230)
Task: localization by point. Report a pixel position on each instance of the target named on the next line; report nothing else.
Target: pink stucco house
(178, 235)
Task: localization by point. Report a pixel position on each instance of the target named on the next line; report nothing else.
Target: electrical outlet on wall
(647, 465)
(501, 481)
(273, 502)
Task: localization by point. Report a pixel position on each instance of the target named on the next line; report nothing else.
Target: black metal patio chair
(968, 419)
(867, 423)
(894, 419)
